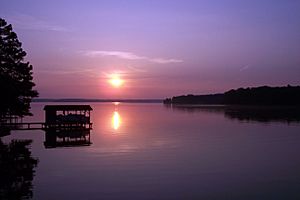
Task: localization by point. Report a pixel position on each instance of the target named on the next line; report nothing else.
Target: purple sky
(159, 48)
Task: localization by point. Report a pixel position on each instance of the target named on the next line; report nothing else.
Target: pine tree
(16, 81)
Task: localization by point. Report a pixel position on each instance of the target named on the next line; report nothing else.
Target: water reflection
(170, 154)
(17, 168)
(116, 103)
(249, 113)
(264, 115)
(69, 138)
(116, 120)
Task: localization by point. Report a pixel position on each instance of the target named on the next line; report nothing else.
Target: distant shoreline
(237, 106)
(259, 96)
(101, 100)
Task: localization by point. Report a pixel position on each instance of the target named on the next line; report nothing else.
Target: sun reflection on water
(116, 103)
(116, 120)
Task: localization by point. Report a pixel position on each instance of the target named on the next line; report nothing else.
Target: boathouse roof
(67, 107)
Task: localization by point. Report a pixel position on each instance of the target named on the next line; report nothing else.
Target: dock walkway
(45, 126)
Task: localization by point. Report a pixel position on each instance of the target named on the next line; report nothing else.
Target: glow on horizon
(157, 49)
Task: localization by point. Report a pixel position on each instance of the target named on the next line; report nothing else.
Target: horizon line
(141, 100)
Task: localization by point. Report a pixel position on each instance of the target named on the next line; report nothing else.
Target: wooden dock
(46, 126)
(24, 126)
(58, 119)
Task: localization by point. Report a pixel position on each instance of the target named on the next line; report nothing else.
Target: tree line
(264, 95)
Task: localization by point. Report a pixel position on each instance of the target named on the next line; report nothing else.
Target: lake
(151, 151)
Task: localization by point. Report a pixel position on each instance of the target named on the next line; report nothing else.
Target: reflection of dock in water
(62, 138)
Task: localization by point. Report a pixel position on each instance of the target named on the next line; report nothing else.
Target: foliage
(289, 95)
(16, 81)
(196, 99)
(16, 170)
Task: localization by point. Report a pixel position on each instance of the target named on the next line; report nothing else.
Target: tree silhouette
(16, 84)
(17, 169)
(264, 95)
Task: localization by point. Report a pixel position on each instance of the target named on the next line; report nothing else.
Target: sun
(116, 81)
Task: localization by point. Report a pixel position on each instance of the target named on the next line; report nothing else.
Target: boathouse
(67, 117)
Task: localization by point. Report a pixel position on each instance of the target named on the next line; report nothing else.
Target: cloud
(136, 69)
(131, 56)
(165, 61)
(244, 68)
(127, 75)
(28, 22)
(86, 72)
(120, 54)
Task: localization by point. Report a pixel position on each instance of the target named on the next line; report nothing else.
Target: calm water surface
(148, 151)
